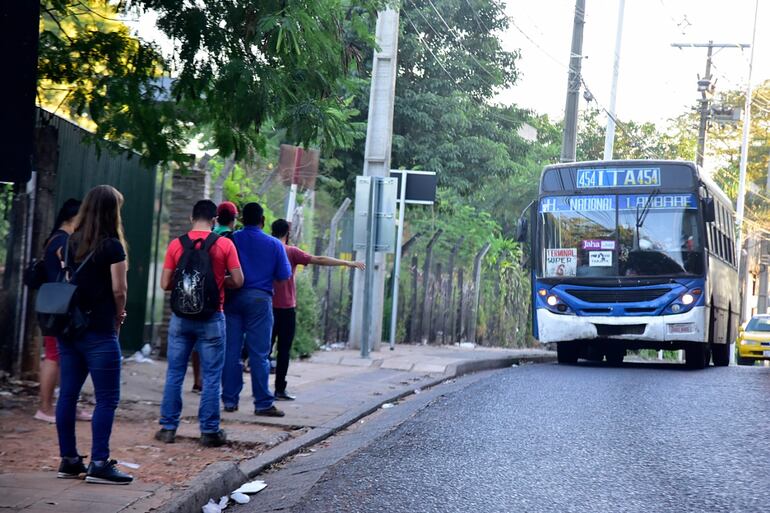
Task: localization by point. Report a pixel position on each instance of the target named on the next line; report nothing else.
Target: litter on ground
(255, 486)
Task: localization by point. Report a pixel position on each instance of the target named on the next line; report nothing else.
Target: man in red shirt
(285, 302)
(206, 334)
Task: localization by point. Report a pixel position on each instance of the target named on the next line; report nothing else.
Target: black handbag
(56, 305)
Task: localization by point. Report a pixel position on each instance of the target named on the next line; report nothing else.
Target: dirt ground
(28, 445)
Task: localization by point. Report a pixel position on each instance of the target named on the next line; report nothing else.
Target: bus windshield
(644, 235)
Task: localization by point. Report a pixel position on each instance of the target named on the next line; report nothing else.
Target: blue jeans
(249, 318)
(97, 354)
(208, 338)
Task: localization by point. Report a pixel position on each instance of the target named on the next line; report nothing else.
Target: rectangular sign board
(590, 178)
(384, 213)
(420, 186)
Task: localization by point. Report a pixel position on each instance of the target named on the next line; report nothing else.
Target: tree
(241, 65)
(93, 70)
(632, 140)
(451, 62)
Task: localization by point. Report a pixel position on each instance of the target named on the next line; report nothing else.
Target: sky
(656, 82)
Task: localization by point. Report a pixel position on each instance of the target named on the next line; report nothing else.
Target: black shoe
(196, 389)
(283, 396)
(217, 439)
(69, 470)
(270, 412)
(231, 409)
(107, 474)
(167, 436)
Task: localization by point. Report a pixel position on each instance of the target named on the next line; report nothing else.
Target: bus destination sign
(590, 178)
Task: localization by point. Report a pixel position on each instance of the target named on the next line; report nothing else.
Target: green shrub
(308, 315)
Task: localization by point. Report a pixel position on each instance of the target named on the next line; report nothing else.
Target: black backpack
(194, 291)
(56, 304)
(35, 274)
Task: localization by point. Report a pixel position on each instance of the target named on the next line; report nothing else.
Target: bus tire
(567, 352)
(720, 353)
(615, 356)
(695, 355)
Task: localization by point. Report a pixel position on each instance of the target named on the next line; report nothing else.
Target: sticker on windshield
(591, 245)
(600, 258)
(560, 262)
(618, 177)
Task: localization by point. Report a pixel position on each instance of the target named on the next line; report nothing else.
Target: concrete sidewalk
(333, 388)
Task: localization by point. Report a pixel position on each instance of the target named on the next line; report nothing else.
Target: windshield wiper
(641, 217)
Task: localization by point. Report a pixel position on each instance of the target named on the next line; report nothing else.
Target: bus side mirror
(709, 210)
(522, 229)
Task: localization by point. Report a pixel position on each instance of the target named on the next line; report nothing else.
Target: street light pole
(609, 135)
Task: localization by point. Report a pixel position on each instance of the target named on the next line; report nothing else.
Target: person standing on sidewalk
(249, 313)
(97, 248)
(49, 367)
(226, 214)
(195, 271)
(285, 302)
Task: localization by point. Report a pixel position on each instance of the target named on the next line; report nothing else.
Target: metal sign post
(423, 193)
(373, 231)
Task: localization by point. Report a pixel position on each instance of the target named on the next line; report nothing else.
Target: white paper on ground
(240, 498)
(128, 464)
(387, 405)
(255, 486)
(211, 507)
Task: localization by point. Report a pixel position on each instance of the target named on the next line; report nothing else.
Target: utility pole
(609, 135)
(706, 88)
(763, 261)
(569, 137)
(379, 135)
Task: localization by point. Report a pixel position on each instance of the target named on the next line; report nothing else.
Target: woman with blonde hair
(98, 245)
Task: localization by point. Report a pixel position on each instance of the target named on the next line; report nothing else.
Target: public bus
(629, 255)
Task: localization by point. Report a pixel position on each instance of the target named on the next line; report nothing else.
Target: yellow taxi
(754, 340)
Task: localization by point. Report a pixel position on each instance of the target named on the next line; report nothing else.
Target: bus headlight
(552, 300)
(686, 301)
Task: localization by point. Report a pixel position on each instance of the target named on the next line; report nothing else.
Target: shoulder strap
(210, 241)
(65, 263)
(186, 242)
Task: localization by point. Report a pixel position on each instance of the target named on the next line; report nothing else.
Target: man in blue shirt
(249, 313)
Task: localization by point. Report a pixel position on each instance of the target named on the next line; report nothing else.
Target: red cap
(227, 207)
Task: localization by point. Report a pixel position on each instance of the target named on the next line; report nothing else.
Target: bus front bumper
(686, 327)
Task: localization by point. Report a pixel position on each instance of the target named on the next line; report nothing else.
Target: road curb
(220, 479)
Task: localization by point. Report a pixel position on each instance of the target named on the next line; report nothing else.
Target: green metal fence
(82, 167)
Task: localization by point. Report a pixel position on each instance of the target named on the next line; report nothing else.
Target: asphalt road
(549, 438)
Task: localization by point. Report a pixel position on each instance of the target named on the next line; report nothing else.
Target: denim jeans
(208, 338)
(97, 354)
(249, 319)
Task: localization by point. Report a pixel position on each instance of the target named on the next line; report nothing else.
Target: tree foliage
(93, 70)
(237, 67)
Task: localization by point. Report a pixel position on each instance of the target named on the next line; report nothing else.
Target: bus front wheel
(720, 353)
(696, 356)
(567, 352)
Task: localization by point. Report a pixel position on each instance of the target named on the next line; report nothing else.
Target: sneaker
(83, 415)
(270, 412)
(107, 474)
(39, 415)
(196, 389)
(167, 436)
(68, 470)
(283, 396)
(231, 409)
(217, 439)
